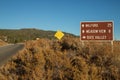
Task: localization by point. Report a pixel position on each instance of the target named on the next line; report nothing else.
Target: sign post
(97, 31)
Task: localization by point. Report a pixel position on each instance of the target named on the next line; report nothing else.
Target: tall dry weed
(65, 59)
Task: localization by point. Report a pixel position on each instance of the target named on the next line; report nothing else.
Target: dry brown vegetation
(2, 43)
(67, 59)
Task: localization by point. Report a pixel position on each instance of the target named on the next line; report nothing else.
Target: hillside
(2, 43)
(14, 36)
(67, 59)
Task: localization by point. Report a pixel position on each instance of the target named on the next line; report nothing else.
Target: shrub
(66, 59)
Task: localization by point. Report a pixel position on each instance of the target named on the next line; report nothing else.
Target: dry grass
(2, 43)
(67, 59)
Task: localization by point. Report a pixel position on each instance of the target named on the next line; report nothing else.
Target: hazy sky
(64, 15)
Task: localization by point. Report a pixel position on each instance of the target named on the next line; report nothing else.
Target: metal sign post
(112, 45)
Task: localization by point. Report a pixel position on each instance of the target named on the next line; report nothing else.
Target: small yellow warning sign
(59, 34)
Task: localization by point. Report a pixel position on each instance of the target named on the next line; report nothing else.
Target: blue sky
(64, 15)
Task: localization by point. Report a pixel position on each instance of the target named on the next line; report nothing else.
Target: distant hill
(20, 35)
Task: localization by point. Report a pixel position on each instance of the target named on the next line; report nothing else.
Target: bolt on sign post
(97, 31)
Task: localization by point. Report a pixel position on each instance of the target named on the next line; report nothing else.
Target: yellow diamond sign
(59, 34)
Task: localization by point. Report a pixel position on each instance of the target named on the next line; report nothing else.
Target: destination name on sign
(96, 31)
(91, 25)
(100, 37)
(96, 37)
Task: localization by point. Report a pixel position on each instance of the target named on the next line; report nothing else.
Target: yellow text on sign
(59, 34)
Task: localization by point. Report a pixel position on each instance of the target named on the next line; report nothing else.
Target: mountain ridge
(20, 35)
